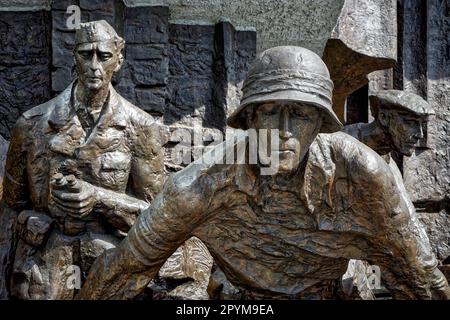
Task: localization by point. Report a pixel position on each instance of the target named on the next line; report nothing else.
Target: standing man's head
(288, 88)
(98, 54)
(401, 115)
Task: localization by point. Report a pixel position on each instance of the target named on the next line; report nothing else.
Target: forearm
(119, 209)
(116, 274)
(124, 272)
(183, 204)
(411, 267)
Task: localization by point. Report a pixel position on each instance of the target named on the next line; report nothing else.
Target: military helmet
(288, 73)
(399, 100)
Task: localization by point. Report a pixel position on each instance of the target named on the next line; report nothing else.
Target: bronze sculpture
(79, 170)
(291, 234)
(398, 125)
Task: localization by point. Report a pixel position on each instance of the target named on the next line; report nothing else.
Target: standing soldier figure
(80, 168)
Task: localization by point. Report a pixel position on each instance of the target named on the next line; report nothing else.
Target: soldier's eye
(85, 54)
(270, 112)
(105, 56)
(298, 114)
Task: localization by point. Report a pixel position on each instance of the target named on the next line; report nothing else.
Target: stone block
(364, 40)
(149, 72)
(61, 78)
(437, 225)
(152, 100)
(144, 25)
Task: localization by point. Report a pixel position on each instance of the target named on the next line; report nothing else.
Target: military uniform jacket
(122, 155)
(284, 240)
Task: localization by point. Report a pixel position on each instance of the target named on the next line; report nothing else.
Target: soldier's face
(298, 126)
(96, 63)
(405, 129)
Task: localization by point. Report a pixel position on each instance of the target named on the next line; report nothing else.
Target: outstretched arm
(400, 245)
(183, 204)
(361, 198)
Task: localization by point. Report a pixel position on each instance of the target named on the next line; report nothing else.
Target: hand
(75, 198)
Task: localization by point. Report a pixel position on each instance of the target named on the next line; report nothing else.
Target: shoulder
(31, 118)
(347, 182)
(145, 128)
(341, 150)
(212, 170)
(46, 108)
(134, 114)
(39, 110)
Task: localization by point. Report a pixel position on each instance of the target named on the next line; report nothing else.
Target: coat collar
(63, 112)
(69, 134)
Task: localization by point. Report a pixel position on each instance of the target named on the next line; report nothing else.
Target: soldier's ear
(383, 118)
(119, 64)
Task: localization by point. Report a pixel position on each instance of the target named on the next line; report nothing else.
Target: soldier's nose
(419, 132)
(94, 65)
(285, 130)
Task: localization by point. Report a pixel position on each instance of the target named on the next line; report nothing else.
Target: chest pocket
(115, 169)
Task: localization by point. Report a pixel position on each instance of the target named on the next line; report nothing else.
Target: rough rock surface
(438, 230)
(24, 64)
(191, 264)
(363, 40)
(426, 71)
(289, 22)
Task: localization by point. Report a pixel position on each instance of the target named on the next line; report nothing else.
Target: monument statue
(287, 235)
(399, 120)
(79, 170)
(398, 125)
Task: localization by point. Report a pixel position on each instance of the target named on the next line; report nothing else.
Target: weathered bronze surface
(79, 170)
(289, 235)
(399, 121)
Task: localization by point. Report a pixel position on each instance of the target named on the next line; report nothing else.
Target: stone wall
(289, 22)
(426, 71)
(364, 40)
(24, 64)
(186, 75)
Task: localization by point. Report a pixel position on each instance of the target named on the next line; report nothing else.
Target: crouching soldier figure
(290, 234)
(400, 117)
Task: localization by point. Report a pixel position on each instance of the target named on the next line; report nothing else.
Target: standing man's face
(96, 63)
(405, 130)
(298, 126)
